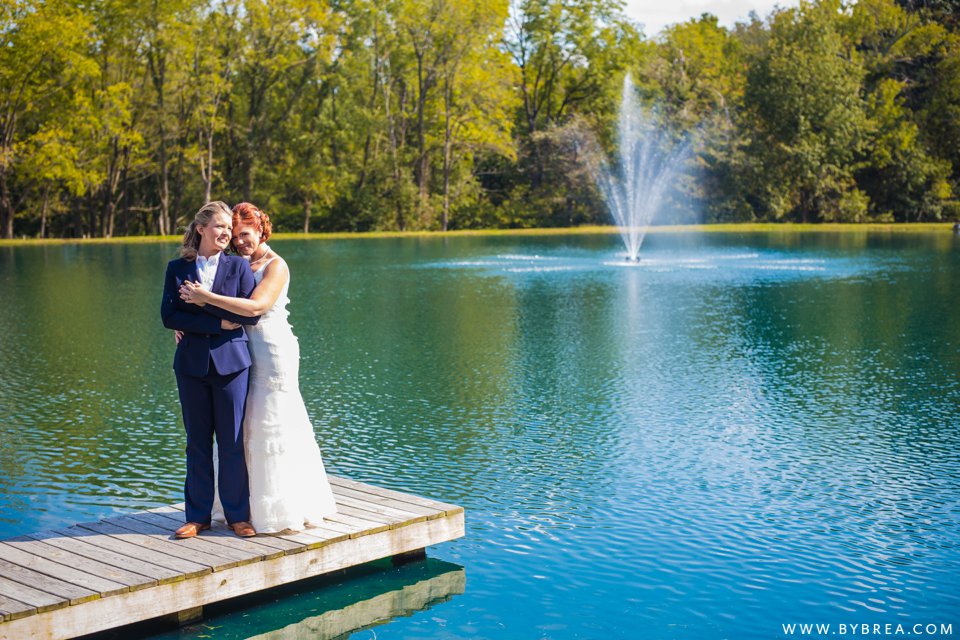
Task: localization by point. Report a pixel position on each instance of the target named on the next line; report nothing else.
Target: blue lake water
(740, 432)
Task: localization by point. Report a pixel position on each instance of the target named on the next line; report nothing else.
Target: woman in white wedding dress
(288, 483)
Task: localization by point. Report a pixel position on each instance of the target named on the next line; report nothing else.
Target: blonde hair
(191, 239)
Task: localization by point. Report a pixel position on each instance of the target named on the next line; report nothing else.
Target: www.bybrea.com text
(863, 629)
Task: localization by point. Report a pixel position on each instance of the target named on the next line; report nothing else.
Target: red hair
(249, 215)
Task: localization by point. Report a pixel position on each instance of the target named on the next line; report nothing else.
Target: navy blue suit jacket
(203, 339)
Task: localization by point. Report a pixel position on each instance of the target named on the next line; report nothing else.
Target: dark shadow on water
(334, 605)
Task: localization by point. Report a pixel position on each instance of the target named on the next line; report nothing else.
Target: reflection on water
(446, 581)
(322, 608)
(736, 433)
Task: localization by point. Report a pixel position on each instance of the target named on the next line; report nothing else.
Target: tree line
(120, 117)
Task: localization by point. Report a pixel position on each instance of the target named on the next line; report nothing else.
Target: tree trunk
(109, 216)
(401, 222)
(248, 178)
(307, 206)
(334, 149)
(256, 109)
(77, 222)
(125, 193)
(43, 212)
(163, 217)
(394, 138)
(115, 172)
(374, 83)
(6, 208)
(157, 64)
(447, 148)
(178, 186)
(93, 228)
(422, 161)
(206, 167)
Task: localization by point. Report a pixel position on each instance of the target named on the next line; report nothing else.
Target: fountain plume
(648, 163)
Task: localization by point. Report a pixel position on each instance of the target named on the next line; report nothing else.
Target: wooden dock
(100, 575)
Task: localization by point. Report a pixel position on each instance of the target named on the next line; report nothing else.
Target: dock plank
(269, 545)
(219, 533)
(448, 509)
(43, 565)
(338, 527)
(430, 512)
(369, 516)
(395, 514)
(308, 541)
(326, 533)
(28, 577)
(152, 573)
(129, 568)
(132, 548)
(244, 552)
(157, 542)
(226, 556)
(316, 536)
(330, 530)
(36, 598)
(11, 609)
(128, 579)
(358, 527)
(269, 549)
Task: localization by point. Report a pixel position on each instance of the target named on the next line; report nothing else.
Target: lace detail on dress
(288, 483)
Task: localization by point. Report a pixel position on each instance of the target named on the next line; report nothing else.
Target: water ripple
(730, 435)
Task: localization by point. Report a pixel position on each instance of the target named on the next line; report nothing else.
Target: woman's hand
(177, 336)
(193, 293)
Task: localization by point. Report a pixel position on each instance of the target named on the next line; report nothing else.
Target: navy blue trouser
(214, 404)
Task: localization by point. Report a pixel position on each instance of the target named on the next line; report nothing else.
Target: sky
(657, 14)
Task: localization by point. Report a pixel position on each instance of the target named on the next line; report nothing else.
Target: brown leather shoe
(190, 530)
(243, 529)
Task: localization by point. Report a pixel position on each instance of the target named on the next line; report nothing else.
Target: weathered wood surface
(100, 575)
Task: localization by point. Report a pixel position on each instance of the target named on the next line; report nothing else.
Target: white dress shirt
(207, 270)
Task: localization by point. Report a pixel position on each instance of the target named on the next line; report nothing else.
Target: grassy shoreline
(745, 227)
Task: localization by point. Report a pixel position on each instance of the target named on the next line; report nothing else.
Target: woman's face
(246, 239)
(215, 235)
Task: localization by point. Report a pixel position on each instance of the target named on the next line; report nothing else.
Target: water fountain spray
(648, 164)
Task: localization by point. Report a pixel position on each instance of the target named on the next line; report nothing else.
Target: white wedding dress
(288, 483)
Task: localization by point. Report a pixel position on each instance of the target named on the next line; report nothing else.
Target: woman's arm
(176, 318)
(245, 288)
(263, 297)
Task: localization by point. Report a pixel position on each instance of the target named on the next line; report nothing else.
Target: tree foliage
(121, 117)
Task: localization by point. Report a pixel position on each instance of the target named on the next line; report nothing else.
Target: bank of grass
(741, 227)
(822, 227)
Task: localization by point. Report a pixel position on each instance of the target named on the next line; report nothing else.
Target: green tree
(900, 173)
(477, 90)
(943, 113)
(803, 94)
(118, 95)
(210, 84)
(281, 45)
(570, 59)
(700, 70)
(51, 160)
(697, 78)
(42, 54)
(903, 181)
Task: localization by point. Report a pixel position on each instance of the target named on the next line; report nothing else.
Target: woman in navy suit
(211, 365)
